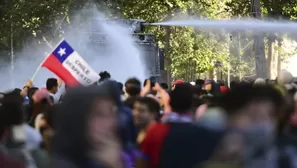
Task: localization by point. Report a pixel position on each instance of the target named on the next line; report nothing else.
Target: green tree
(26, 19)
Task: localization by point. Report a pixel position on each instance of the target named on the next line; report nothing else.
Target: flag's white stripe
(80, 70)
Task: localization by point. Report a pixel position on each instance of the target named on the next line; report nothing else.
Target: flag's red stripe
(54, 65)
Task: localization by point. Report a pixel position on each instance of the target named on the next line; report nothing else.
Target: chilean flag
(67, 64)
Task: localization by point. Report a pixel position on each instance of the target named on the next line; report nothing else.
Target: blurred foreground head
(254, 115)
(86, 120)
(249, 106)
(181, 98)
(11, 113)
(11, 109)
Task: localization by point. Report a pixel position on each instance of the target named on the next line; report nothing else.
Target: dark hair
(51, 83)
(221, 83)
(133, 86)
(31, 92)
(243, 94)
(199, 82)
(152, 105)
(181, 98)
(196, 102)
(17, 90)
(29, 107)
(164, 85)
(198, 91)
(133, 81)
(50, 114)
(233, 84)
(11, 111)
(145, 82)
(104, 75)
(121, 86)
(2, 95)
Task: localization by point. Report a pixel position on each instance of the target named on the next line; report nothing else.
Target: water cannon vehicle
(134, 25)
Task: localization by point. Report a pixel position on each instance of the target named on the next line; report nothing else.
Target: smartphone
(153, 81)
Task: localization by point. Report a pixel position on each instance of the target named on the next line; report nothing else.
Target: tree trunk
(259, 45)
(279, 55)
(269, 56)
(167, 54)
(274, 60)
(234, 49)
(12, 52)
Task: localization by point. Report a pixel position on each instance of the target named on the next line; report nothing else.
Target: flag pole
(39, 67)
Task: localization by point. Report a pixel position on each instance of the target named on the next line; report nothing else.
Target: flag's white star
(62, 51)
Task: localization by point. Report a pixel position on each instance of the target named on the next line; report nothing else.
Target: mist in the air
(119, 55)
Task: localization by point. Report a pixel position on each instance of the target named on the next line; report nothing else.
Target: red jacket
(224, 89)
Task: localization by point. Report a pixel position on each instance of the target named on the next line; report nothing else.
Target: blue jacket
(127, 128)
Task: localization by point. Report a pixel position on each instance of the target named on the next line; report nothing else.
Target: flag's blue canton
(63, 51)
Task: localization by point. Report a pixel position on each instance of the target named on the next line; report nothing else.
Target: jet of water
(236, 25)
(112, 47)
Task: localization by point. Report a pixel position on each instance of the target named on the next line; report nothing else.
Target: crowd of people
(204, 124)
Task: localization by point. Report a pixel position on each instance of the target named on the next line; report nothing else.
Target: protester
(164, 86)
(90, 139)
(177, 135)
(41, 102)
(28, 85)
(256, 115)
(199, 82)
(20, 141)
(212, 88)
(104, 76)
(223, 88)
(177, 82)
(49, 126)
(126, 126)
(52, 86)
(133, 88)
(146, 111)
